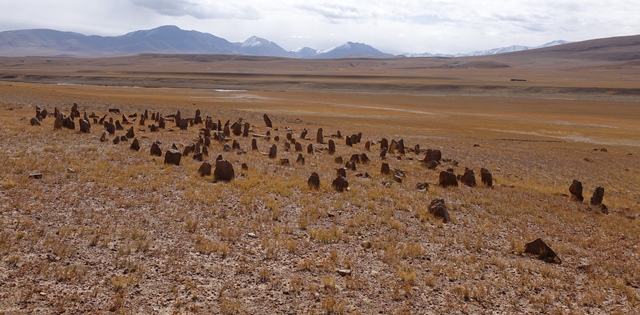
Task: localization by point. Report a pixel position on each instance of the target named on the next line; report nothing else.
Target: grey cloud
(199, 10)
(336, 12)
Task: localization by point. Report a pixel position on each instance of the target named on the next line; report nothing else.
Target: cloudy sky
(435, 26)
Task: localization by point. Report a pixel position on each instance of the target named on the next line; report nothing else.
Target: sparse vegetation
(107, 228)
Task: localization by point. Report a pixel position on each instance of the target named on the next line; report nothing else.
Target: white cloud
(429, 26)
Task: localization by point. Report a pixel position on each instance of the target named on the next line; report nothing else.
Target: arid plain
(110, 229)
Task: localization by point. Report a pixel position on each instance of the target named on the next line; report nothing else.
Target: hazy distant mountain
(494, 51)
(164, 39)
(352, 50)
(256, 46)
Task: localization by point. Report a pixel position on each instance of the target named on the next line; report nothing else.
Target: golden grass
(124, 232)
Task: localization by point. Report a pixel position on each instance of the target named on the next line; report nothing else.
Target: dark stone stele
(432, 165)
(310, 148)
(341, 172)
(130, 133)
(385, 169)
(85, 126)
(300, 160)
(183, 124)
(542, 250)
(319, 136)
(340, 184)
(155, 149)
(104, 136)
(172, 156)
(332, 146)
(469, 178)
(447, 179)
(364, 159)
(119, 126)
(438, 209)
(224, 171)
(576, 191)
(205, 169)
(267, 121)
(303, 135)
(254, 145)
(314, 181)
(486, 177)
(273, 152)
(135, 145)
(598, 195)
(34, 122)
(433, 155)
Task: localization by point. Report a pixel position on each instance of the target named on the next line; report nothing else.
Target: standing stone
(367, 146)
(172, 156)
(69, 123)
(267, 121)
(355, 158)
(161, 123)
(597, 197)
(298, 147)
(319, 136)
(273, 152)
(155, 149)
(135, 145)
(432, 165)
(237, 128)
(85, 126)
(486, 177)
(130, 133)
(469, 178)
(34, 122)
(400, 147)
(364, 159)
(104, 136)
(433, 155)
(198, 119)
(235, 145)
(348, 142)
(116, 140)
(447, 179)
(118, 125)
(438, 209)
(383, 153)
(300, 159)
(340, 184)
(384, 143)
(198, 156)
(385, 169)
(205, 169)
(303, 135)
(183, 124)
(310, 148)
(332, 147)
(254, 145)
(245, 131)
(314, 181)
(224, 171)
(341, 172)
(576, 191)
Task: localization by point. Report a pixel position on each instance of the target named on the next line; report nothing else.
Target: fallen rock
(34, 122)
(432, 165)
(542, 250)
(576, 191)
(344, 272)
(224, 171)
(422, 186)
(438, 209)
(35, 175)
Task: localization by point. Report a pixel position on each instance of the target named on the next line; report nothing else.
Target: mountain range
(170, 39)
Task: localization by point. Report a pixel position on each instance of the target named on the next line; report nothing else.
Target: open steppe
(108, 229)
